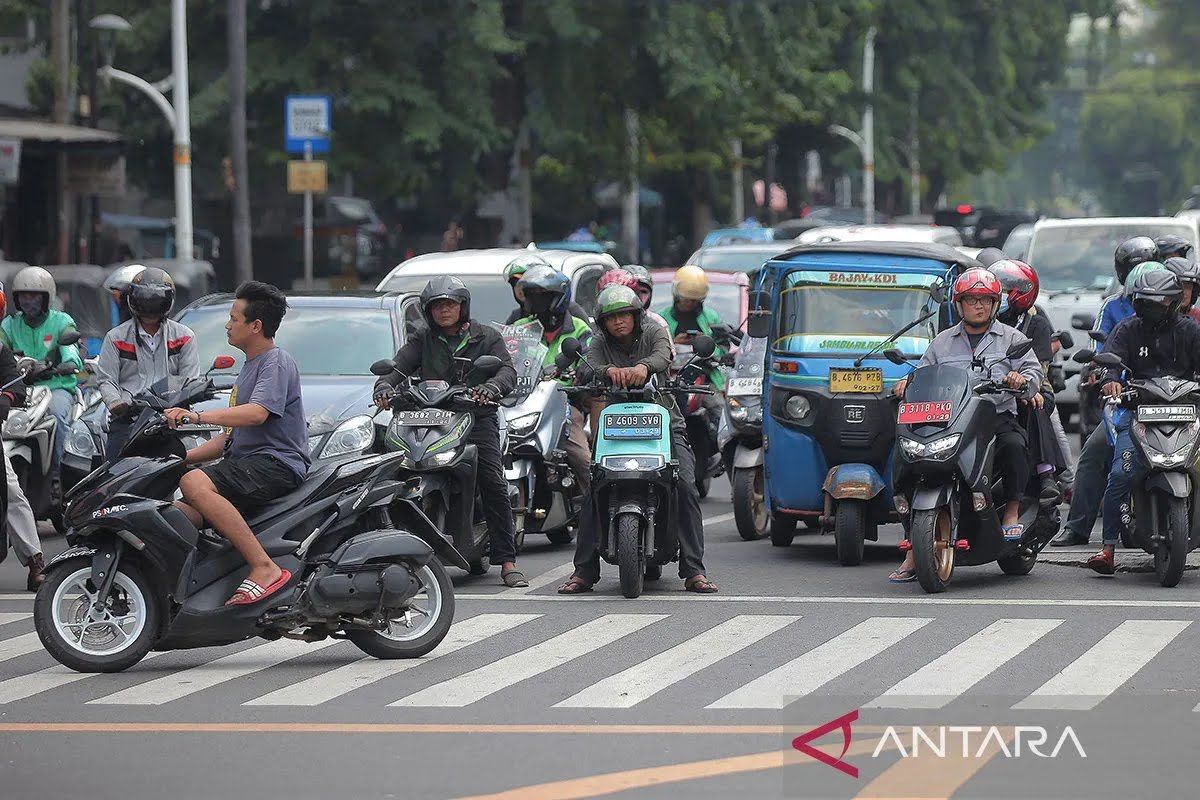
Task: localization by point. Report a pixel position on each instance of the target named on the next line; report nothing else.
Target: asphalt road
(537, 696)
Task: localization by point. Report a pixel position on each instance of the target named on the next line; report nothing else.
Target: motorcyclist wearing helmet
(14, 505)
(1157, 341)
(1188, 273)
(137, 354)
(513, 273)
(643, 287)
(117, 284)
(687, 313)
(34, 332)
(1171, 245)
(979, 334)
(1130, 253)
(547, 294)
(429, 354)
(626, 352)
(1096, 453)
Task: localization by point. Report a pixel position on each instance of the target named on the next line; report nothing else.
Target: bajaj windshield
(838, 313)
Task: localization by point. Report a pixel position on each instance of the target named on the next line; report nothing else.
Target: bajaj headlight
(519, 426)
(797, 407)
(353, 436)
(21, 420)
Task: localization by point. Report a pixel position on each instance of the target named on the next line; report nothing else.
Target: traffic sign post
(307, 123)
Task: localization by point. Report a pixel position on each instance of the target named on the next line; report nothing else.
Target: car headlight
(79, 441)
(797, 407)
(20, 420)
(352, 436)
(519, 426)
(632, 463)
(441, 459)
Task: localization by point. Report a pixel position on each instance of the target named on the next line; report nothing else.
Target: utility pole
(630, 207)
(914, 158)
(868, 127)
(236, 29)
(60, 54)
(180, 99)
(738, 182)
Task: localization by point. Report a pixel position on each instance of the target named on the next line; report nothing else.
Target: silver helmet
(118, 280)
(34, 279)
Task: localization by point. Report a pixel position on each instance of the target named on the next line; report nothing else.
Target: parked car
(1017, 243)
(1074, 260)
(922, 234)
(737, 257)
(483, 273)
(722, 236)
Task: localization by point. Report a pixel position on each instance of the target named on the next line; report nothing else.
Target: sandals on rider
(513, 578)
(575, 585)
(903, 575)
(249, 592)
(700, 585)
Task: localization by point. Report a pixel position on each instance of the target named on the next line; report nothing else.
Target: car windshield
(723, 298)
(324, 341)
(735, 260)
(1081, 256)
(832, 313)
(491, 298)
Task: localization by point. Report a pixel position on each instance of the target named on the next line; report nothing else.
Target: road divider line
(935, 777)
(473, 686)
(48, 679)
(947, 677)
(688, 597)
(186, 682)
(812, 670)
(417, 728)
(651, 676)
(1104, 668)
(344, 679)
(14, 616)
(18, 646)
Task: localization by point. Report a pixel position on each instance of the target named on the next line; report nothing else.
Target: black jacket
(415, 359)
(577, 311)
(15, 394)
(1170, 349)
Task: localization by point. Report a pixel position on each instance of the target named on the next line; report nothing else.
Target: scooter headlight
(22, 420)
(745, 410)
(937, 450)
(441, 459)
(353, 436)
(79, 441)
(632, 463)
(519, 426)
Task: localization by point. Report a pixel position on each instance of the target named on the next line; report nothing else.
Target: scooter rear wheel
(933, 548)
(1170, 556)
(631, 558)
(749, 505)
(433, 610)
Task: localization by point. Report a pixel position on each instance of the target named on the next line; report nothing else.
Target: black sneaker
(1068, 539)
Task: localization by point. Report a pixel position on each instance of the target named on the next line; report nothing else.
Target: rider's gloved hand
(485, 394)
(1111, 389)
(383, 398)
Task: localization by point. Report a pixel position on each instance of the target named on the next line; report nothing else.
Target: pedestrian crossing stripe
(950, 673)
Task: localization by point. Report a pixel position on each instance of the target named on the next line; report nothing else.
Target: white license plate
(1166, 413)
(740, 387)
(427, 417)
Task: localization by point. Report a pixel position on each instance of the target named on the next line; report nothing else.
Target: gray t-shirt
(271, 380)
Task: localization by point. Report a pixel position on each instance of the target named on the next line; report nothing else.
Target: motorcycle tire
(850, 531)
(631, 558)
(653, 571)
(561, 536)
(382, 646)
(71, 656)
(935, 565)
(749, 506)
(1170, 557)
(783, 530)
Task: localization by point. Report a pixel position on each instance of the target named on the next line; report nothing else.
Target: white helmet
(34, 279)
(118, 280)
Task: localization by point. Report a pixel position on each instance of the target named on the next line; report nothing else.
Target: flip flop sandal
(514, 578)
(575, 585)
(903, 576)
(700, 585)
(1013, 533)
(249, 592)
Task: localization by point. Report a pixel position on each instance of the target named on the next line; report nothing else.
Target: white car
(1074, 262)
(929, 234)
(483, 273)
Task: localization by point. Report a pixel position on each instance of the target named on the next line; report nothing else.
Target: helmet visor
(151, 301)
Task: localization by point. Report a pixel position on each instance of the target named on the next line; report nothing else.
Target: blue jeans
(61, 403)
(1090, 475)
(1127, 466)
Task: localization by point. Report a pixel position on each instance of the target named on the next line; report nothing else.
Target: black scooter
(946, 490)
(139, 576)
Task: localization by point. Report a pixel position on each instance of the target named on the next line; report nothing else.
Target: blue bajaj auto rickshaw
(830, 420)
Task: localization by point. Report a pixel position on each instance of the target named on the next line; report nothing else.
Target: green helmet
(522, 264)
(618, 300)
(1142, 269)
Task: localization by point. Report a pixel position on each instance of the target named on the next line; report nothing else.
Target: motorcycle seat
(319, 475)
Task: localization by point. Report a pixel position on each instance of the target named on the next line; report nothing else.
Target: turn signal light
(962, 544)
(787, 367)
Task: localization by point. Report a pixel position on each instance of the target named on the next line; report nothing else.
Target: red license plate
(920, 413)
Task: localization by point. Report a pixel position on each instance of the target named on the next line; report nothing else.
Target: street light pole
(868, 131)
(183, 131)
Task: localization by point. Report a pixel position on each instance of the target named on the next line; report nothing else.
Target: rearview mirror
(486, 366)
(758, 323)
(384, 366)
(760, 301)
(1098, 336)
(938, 292)
(223, 362)
(571, 348)
(563, 361)
(1019, 349)
(1083, 356)
(894, 355)
(68, 338)
(1065, 339)
(703, 346)
(1083, 321)
(1108, 360)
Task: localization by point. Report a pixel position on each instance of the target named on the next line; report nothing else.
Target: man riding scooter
(1188, 273)
(1157, 341)
(430, 352)
(979, 335)
(20, 527)
(513, 273)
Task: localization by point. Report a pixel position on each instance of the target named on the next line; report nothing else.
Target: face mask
(33, 306)
(1152, 313)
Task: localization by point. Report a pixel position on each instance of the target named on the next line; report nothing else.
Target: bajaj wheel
(631, 558)
(85, 638)
(850, 531)
(421, 626)
(783, 530)
(933, 548)
(1170, 556)
(749, 505)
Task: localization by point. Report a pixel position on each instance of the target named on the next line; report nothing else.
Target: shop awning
(32, 130)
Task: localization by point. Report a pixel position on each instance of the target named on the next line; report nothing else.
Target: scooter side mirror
(1098, 336)
(938, 292)
(894, 355)
(563, 361)
(482, 368)
(1108, 360)
(384, 366)
(1083, 356)
(1083, 321)
(1019, 349)
(703, 346)
(68, 338)
(223, 362)
(571, 348)
(1065, 339)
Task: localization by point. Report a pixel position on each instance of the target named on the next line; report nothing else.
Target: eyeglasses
(978, 301)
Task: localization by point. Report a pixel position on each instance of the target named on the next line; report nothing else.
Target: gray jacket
(953, 347)
(651, 346)
(126, 367)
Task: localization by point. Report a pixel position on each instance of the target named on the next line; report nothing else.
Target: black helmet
(446, 287)
(1156, 295)
(547, 291)
(1132, 252)
(1172, 245)
(1186, 270)
(990, 255)
(151, 293)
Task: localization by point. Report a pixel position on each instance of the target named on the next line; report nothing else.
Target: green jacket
(573, 328)
(36, 342)
(706, 319)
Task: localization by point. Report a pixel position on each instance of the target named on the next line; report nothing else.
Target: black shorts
(252, 481)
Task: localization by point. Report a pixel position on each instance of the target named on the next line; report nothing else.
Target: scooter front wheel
(749, 505)
(631, 558)
(87, 633)
(1170, 556)
(933, 548)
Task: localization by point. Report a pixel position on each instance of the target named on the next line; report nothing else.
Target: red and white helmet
(616, 277)
(1019, 283)
(977, 282)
